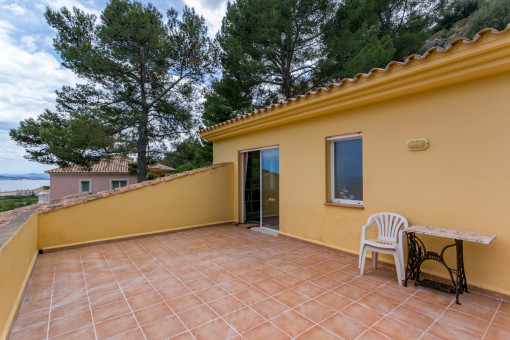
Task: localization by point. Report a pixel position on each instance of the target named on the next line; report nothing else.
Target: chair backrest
(388, 225)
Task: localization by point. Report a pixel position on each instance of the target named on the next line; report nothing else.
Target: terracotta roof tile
(115, 165)
(429, 52)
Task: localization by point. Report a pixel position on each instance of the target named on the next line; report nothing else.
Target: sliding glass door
(262, 187)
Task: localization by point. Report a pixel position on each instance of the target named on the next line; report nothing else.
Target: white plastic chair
(389, 241)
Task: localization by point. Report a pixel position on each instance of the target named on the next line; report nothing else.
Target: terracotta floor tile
(271, 287)
(74, 307)
(197, 316)
(199, 284)
(333, 300)
(292, 323)
(480, 300)
(135, 334)
(173, 292)
(440, 298)
(165, 282)
(505, 307)
(69, 296)
(448, 331)
(315, 311)
(502, 319)
(106, 288)
(317, 332)
(350, 292)
(138, 289)
(233, 286)
(269, 308)
(255, 278)
(326, 282)
(290, 267)
(470, 323)
(273, 272)
(307, 274)
(79, 334)
(145, 300)
(362, 314)
(395, 329)
(69, 323)
(391, 294)
(110, 311)
(497, 332)
(221, 276)
(378, 303)
(341, 276)
(412, 317)
(243, 319)
(184, 302)
(164, 328)
(153, 313)
(105, 299)
(226, 305)
(265, 331)
(30, 319)
(364, 284)
(343, 326)
(184, 336)
(32, 333)
(424, 306)
(212, 293)
(309, 289)
(370, 334)
(290, 280)
(291, 298)
(250, 296)
(217, 329)
(33, 305)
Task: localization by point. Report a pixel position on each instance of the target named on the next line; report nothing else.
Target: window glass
(119, 183)
(85, 186)
(348, 170)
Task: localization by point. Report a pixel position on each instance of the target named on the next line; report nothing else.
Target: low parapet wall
(191, 199)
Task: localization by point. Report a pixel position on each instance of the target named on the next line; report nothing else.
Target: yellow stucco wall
(199, 199)
(16, 260)
(461, 181)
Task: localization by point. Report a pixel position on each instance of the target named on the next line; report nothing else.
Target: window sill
(355, 206)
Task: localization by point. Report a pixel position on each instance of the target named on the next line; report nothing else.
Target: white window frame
(332, 140)
(80, 187)
(120, 179)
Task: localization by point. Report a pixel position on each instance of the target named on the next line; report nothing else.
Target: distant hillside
(25, 176)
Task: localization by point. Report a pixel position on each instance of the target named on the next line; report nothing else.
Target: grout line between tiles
(492, 320)
(51, 302)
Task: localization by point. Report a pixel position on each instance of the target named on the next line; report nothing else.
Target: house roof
(361, 88)
(114, 165)
(159, 167)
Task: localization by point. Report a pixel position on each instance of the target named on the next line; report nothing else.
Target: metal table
(417, 254)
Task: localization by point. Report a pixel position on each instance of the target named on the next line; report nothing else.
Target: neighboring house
(342, 154)
(104, 175)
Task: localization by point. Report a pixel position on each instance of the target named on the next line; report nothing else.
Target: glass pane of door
(252, 186)
(270, 189)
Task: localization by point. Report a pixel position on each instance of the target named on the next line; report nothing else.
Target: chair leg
(398, 267)
(363, 257)
(402, 263)
(360, 254)
(374, 259)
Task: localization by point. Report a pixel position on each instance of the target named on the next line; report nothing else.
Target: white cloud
(86, 6)
(212, 11)
(28, 78)
(15, 9)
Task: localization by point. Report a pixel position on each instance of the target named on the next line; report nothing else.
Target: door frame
(244, 154)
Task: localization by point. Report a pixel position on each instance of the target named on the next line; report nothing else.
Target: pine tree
(137, 87)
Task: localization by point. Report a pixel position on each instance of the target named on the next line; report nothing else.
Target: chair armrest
(364, 230)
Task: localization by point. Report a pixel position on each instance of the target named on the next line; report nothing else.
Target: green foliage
(491, 13)
(13, 202)
(151, 176)
(370, 33)
(268, 47)
(189, 154)
(138, 90)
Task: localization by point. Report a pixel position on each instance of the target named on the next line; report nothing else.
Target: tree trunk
(141, 146)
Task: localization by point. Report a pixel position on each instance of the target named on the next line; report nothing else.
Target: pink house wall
(69, 184)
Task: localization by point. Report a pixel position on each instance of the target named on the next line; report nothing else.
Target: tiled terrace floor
(228, 282)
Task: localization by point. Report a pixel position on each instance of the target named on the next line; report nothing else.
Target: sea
(23, 184)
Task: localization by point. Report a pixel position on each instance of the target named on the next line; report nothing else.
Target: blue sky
(30, 70)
